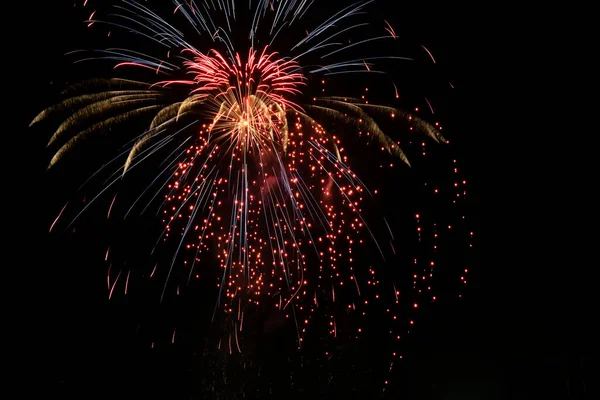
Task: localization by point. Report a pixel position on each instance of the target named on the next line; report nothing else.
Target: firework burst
(255, 178)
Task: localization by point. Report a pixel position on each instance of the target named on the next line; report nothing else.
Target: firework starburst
(255, 176)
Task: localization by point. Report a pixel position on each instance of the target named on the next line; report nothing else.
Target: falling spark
(90, 19)
(127, 281)
(111, 206)
(56, 219)
(113, 285)
(428, 52)
(429, 104)
(390, 30)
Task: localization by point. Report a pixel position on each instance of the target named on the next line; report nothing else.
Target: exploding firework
(255, 181)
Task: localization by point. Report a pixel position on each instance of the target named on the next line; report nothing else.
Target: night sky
(512, 335)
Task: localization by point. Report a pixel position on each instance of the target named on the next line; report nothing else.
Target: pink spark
(59, 214)
(90, 19)
(111, 206)
(127, 281)
(333, 293)
(428, 52)
(429, 104)
(334, 329)
(114, 284)
(237, 342)
(108, 277)
(390, 30)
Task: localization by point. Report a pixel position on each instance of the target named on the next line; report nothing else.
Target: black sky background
(518, 333)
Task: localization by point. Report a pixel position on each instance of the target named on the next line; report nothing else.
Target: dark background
(518, 333)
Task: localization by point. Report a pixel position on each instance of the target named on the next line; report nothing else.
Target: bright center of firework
(249, 99)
